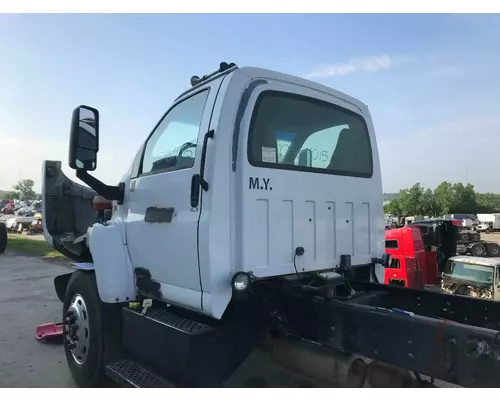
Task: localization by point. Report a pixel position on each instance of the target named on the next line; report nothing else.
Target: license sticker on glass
(268, 154)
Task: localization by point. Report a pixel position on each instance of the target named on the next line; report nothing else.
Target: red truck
(419, 253)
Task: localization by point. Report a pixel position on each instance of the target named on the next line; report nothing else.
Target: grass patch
(32, 247)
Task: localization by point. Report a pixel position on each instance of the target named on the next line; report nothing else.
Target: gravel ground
(27, 299)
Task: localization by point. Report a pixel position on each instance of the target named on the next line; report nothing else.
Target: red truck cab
(412, 264)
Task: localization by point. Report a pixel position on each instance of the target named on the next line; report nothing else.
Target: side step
(189, 352)
(129, 374)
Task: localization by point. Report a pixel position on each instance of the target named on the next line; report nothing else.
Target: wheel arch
(61, 282)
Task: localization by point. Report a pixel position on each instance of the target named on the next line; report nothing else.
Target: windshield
(299, 133)
(470, 272)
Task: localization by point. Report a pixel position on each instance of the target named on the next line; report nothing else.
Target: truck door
(161, 225)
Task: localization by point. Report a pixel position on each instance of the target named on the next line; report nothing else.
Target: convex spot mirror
(84, 139)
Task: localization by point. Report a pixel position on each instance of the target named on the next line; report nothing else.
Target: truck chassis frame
(443, 336)
(446, 337)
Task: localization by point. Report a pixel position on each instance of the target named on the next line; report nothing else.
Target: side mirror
(385, 260)
(84, 139)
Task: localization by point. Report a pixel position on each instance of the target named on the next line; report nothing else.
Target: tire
(478, 250)
(487, 231)
(98, 319)
(3, 237)
(465, 237)
(461, 249)
(476, 237)
(493, 250)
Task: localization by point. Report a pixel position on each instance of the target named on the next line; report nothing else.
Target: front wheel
(86, 331)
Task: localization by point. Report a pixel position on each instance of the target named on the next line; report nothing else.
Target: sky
(431, 83)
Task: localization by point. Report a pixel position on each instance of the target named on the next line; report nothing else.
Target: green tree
(6, 195)
(24, 189)
(488, 202)
(394, 207)
(445, 199)
(429, 204)
(443, 195)
(410, 201)
(464, 198)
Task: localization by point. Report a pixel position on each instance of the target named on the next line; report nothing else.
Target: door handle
(159, 215)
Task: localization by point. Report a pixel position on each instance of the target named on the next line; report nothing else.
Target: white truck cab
(244, 168)
(250, 217)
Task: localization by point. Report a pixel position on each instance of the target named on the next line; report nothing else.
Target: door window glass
(174, 142)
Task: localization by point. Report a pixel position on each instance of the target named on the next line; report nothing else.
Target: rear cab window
(300, 133)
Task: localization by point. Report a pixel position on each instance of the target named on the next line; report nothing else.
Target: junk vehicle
(489, 222)
(412, 265)
(421, 251)
(470, 242)
(20, 223)
(472, 276)
(209, 248)
(467, 241)
(391, 221)
(36, 226)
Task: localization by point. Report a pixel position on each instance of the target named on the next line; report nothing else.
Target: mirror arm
(108, 192)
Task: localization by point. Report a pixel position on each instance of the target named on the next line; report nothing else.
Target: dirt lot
(28, 299)
(491, 237)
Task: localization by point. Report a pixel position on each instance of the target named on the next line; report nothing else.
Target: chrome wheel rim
(77, 329)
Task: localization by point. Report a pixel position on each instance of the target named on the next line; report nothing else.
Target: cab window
(173, 144)
(294, 132)
(391, 244)
(469, 272)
